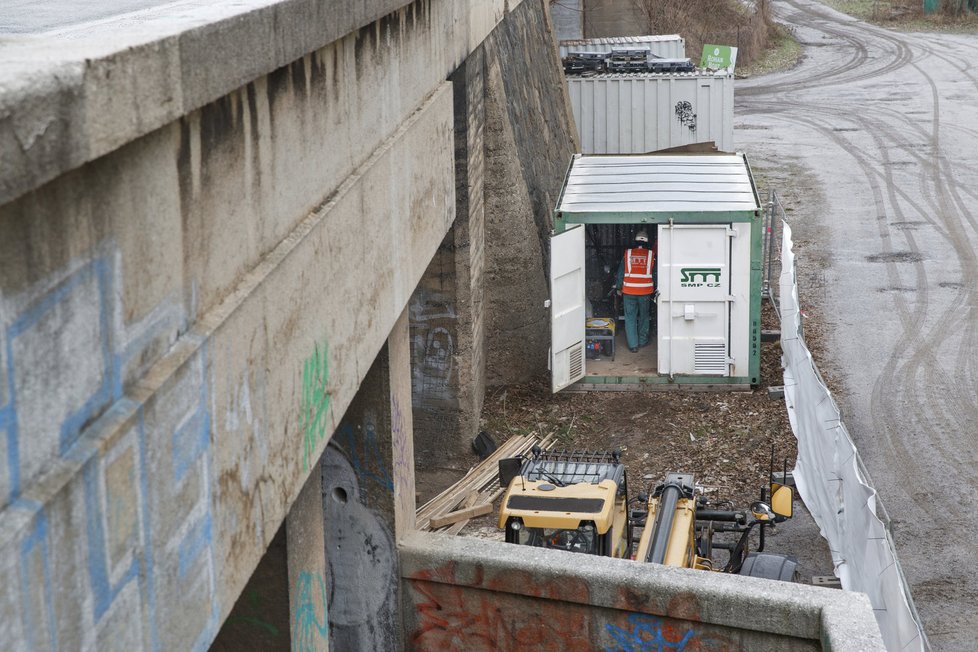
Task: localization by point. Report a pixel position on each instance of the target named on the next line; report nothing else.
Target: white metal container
(708, 222)
(667, 46)
(646, 112)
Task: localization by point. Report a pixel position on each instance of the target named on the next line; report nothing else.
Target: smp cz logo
(698, 277)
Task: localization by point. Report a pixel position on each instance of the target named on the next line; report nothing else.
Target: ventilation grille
(711, 359)
(576, 360)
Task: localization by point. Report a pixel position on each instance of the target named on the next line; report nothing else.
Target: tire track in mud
(922, 402)
(925, 355)
(829, 25)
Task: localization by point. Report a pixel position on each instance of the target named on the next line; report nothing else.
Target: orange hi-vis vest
(638, 272)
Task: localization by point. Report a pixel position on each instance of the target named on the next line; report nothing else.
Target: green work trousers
(637, 319)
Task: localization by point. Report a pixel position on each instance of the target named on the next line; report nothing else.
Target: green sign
(697, 277)
(718, 57)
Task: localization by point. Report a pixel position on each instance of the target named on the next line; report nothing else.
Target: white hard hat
(642, 236)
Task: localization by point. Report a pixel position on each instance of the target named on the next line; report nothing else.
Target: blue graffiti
(182, 541)
(645, 636)
(371, 457)
(98, 272)
(307, 627)
(103, 590)
(36, 543)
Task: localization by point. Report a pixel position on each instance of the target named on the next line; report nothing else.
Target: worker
(636, 285)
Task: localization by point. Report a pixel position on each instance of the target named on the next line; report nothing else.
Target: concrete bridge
(258, 259)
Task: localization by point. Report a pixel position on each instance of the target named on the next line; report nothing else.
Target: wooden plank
(481, 478)
(442, 500)
(462, 514)
(477, 477)
(472, 500)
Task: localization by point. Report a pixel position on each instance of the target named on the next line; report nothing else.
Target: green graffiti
(315, 402)
(253, 601)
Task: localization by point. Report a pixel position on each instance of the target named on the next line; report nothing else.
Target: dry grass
(783, 53)
(908, 15)
(723, 22)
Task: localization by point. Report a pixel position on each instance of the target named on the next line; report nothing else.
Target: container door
(567, 313)
(694, 299)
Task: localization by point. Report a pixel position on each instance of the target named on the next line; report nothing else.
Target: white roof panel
(659, 183)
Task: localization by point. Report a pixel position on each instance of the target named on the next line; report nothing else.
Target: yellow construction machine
(578, 501)
(573, 500)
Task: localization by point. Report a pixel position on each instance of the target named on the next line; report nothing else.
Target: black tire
(770, 566)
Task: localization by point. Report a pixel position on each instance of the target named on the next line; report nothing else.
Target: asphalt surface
(886, 126)
(38, 16)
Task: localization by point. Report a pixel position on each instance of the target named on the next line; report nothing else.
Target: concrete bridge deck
(256, 258)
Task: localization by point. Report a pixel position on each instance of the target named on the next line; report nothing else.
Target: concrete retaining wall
(468, 594)
(530, 138)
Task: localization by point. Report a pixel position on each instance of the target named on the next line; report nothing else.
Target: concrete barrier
(471, 594)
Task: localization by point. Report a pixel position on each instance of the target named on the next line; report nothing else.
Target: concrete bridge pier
(307, 571)
(368, 502)
(448, 348)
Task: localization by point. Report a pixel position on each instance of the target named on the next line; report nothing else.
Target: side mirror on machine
(509, 468)
(761, 511)
(779, 509)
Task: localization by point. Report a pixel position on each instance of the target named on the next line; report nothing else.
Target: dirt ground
(724, 439)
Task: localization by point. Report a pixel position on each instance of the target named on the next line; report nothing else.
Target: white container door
(567, 313)
(694, 299)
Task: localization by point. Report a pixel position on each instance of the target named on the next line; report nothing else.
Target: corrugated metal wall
(639, 113)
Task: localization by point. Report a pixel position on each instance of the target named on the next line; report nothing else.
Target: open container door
(567, 313)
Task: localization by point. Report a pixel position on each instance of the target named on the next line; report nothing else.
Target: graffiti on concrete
(432, 347)
(364, 451)
(315, 403)
(141, 528)
(646, 633)
(453, 617)
(244, 388)
(362, 554)
(47, 402)
(310, 623)
(253, 602)
(685, 115)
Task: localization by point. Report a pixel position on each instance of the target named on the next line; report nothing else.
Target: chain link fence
(774, 218)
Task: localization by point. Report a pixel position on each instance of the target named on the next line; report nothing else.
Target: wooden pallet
(474, 493)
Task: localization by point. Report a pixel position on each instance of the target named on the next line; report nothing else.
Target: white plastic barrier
(835, 487)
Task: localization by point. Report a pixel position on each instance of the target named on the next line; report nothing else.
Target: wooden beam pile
(473, 495)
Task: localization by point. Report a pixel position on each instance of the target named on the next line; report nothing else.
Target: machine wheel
(770, 566)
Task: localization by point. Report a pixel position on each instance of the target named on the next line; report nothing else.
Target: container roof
(659, 183)
(622, 40)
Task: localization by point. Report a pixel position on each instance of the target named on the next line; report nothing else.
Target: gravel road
(886, 125)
